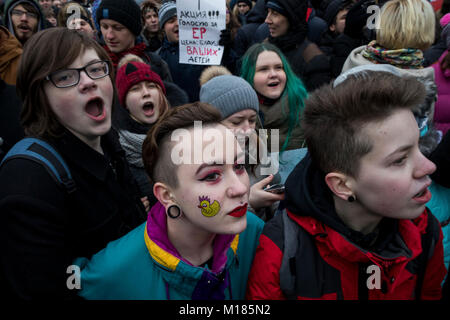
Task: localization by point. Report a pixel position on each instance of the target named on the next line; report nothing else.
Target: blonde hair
(406, 24)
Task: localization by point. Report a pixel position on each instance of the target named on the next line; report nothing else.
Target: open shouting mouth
(95, 109)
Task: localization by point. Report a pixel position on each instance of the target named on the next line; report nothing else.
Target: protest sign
(200, 23)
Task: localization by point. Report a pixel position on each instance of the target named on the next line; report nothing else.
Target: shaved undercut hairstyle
(156, 149)
(334, 117)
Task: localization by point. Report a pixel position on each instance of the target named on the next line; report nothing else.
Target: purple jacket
(442, 107)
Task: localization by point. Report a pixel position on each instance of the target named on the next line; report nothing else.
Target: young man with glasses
(23, 18)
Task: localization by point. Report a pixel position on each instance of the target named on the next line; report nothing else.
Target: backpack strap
(429, 241)
(288, 267)
(39, 151)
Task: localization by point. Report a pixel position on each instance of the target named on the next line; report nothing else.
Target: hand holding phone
(276, 188)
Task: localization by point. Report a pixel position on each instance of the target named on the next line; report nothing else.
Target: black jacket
(10, 129)
(43, 228)
(245, 35)
(306, 59)
(184, 75)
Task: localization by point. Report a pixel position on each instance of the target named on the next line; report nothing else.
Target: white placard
(200, 23)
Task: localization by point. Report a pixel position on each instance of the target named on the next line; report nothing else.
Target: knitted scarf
(137, 50)
(408, 58)
(132, 145)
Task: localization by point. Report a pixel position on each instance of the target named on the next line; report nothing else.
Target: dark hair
(156, 149)
(334, 116)
(45, 52)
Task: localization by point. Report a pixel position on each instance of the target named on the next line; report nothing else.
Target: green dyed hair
(295, 90)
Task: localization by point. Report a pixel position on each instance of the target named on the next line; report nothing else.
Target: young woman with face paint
(199, 239)
(65, 83)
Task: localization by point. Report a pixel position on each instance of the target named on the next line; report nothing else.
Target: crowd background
(276, 54)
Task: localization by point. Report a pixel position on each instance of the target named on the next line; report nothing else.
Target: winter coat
(44, 228)
(432, 54)
(305, 58)
(10, 53)
(11, 130)
(184, 75)
(336, 262)
(276, 117)
(442, 107)
(337, 48)
(153, 42)
(441, 157)
(245, 35)
(440, 207)
(308, 62)
(145, 265)
(131, 137)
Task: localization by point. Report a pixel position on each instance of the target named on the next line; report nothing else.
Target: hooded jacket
(10, 4)
(336, 262)
(144, 265)
(246, 34)
(306, 59)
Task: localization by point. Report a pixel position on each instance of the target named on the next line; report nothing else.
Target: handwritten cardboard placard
(200, 23)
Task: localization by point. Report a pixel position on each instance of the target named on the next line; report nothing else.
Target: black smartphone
(276, 188)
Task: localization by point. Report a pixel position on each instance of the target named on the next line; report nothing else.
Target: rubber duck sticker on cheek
(208, 209)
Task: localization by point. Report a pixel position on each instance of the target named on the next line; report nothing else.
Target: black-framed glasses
(19, 13)
(71, 77)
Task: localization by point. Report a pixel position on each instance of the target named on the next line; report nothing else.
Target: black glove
(356, 19)
(225, 38)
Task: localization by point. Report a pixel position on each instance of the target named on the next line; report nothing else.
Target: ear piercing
(171, 214)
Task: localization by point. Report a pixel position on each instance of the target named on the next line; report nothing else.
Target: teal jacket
(143, 265)
(440, 207)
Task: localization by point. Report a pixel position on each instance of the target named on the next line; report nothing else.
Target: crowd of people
(313, 163)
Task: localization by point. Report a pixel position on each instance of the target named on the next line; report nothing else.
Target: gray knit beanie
(168, 10)
(229, 94)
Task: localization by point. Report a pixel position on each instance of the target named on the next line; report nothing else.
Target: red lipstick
(239, 211)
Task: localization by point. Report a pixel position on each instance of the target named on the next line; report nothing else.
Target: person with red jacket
(355, 223)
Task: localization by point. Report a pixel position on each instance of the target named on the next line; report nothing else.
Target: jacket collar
(81, 155)
(166, 255)
(309, 203)
(403, 246)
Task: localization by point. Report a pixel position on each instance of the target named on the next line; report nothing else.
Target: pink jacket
(442, 107)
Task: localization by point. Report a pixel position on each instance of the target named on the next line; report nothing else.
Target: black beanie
(126, 12)
(332, 10)
(248, 2)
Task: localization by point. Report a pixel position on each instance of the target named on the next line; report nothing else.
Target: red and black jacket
(331, 261)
